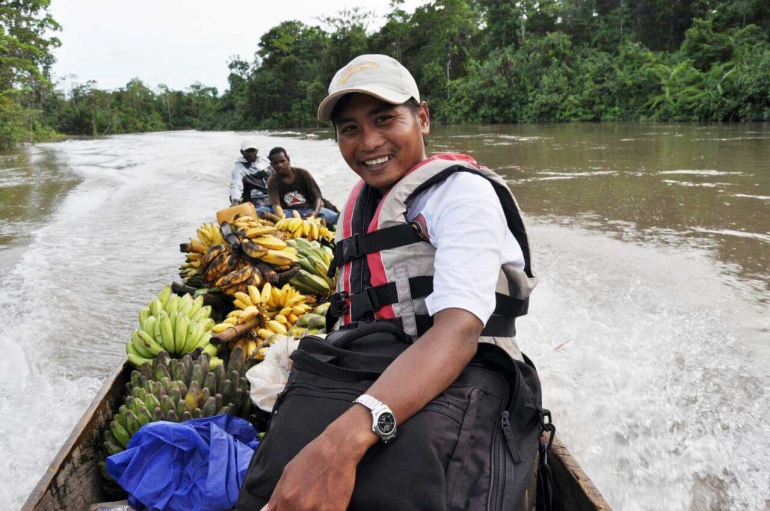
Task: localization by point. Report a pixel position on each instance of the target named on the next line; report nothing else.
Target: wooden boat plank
(73, 482)
(574, 490)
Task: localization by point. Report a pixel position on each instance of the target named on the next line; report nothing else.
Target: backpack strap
(545, 485)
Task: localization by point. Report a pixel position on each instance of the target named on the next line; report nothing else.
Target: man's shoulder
(468, 181)
(461, 186)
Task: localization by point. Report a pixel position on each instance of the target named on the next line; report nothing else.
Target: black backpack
(474, 447)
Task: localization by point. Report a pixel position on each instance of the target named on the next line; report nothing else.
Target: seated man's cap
(377, 75)
(248, 144)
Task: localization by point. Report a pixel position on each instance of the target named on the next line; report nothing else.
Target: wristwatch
(383, 420)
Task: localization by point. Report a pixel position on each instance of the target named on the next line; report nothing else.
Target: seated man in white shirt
(257, 170)
(478, 240)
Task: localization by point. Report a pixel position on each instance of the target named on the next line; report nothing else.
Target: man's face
(250, 155)
(280, 163)
(380, 141)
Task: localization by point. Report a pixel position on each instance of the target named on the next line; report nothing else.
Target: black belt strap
(359, 245)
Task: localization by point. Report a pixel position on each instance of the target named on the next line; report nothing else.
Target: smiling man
(434, 245)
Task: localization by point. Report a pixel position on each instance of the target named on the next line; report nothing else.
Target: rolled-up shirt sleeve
(469, 238)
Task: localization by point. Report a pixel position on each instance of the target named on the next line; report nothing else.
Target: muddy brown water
(649, 326)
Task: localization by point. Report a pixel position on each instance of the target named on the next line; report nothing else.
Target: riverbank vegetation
(477, 61)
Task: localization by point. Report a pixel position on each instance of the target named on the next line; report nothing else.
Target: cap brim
(387, 95)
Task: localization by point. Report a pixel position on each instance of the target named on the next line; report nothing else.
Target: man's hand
(321, 476)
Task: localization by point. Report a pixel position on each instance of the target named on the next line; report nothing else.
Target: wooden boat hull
(73, 481)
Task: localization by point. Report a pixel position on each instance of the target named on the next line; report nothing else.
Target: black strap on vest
(362, 306)
(359, 245)
(497, 326)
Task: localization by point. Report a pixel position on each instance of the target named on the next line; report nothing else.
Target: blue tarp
(198, 465)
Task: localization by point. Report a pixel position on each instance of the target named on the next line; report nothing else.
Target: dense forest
(476, 61)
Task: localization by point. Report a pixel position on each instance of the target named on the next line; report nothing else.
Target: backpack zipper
(509, 438)
(500, 490)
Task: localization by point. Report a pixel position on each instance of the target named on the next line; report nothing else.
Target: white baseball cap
(377, 75)
(248, 144)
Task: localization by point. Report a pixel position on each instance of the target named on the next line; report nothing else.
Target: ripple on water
(659, 370)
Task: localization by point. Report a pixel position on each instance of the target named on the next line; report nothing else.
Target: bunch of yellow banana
(256, 349)
(208, 236)
(248, 309)
(174, 324)
(283, 307)
(271, 250)
(229, 272)
(250, 227)
(253, 262)
(308, 228)
(273, 310)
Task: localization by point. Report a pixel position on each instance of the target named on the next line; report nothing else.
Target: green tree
(25, 61)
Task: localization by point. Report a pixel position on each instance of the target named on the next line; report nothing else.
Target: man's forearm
(429, 365)
(319, 203)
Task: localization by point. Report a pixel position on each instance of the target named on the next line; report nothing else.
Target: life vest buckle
(349, 248)
(338, 304)
(364, 303)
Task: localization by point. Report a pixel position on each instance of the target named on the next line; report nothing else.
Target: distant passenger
(294, 189)
(249, 179)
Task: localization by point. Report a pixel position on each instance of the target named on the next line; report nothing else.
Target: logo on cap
(354, 69)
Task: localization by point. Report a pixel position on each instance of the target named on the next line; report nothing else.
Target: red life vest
(386, 264)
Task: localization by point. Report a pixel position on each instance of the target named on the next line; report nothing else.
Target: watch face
(386, 423)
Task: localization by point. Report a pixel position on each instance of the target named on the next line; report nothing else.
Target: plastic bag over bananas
(179, 390)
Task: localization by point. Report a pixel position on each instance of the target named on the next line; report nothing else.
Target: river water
(649, 326)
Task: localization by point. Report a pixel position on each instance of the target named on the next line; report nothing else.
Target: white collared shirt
(240, 171)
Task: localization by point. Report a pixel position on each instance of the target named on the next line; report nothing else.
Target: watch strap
(371, 402)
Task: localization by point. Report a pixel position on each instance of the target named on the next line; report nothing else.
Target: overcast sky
(175, 42)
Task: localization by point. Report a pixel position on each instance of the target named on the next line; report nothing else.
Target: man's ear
(424, 115)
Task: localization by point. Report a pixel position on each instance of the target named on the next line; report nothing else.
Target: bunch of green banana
(171, 324)
(314, 260)
(208, 236)
(322, 309)
(309, 324)
(176, 391)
